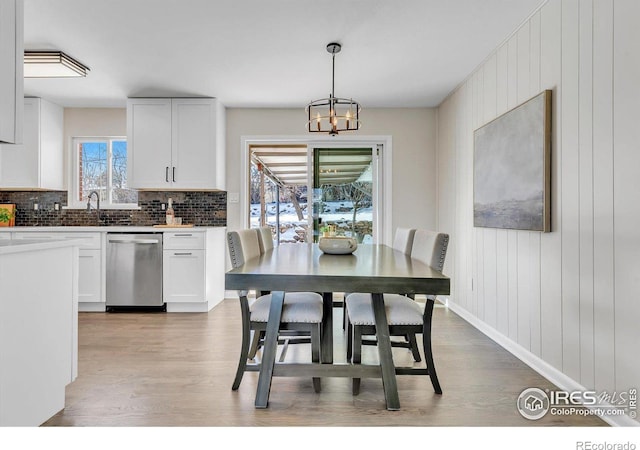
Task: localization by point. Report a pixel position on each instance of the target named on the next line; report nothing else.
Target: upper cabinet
(37, 163)
(175, 143)
(11, 70)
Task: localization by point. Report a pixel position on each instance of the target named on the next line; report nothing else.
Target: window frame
(72, 197)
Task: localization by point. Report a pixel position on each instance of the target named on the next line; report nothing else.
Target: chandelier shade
(333, 114)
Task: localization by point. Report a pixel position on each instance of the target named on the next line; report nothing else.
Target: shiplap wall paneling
(446, 196)
(478, 233)
(446, 191)
(570, 191)
(467, 133)
(461, 279)
(512, 235)
(626, 70)
(489, 235)
(571, 295)
(534, 238)
(523, 248)
(467, 151)
(603, 182)
(551, 243)
(502, 260)
(585, 171)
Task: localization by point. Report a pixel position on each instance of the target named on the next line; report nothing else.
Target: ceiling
(283, 165)
(257, 53)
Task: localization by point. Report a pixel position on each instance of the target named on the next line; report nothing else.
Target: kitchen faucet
(97, 202)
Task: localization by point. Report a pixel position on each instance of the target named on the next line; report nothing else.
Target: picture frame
(512, 168)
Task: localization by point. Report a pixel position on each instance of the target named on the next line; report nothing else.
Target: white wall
(98, 122)
(413, 132)
(570, 297)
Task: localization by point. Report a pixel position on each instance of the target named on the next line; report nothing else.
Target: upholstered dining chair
(402, 241)
(405, 316)
(265, 239)
(302, 311)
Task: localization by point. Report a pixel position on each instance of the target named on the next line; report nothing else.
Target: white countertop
(113, 229)
(29, 245)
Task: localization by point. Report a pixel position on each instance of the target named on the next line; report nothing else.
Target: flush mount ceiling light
(333, 114)
(52, 64)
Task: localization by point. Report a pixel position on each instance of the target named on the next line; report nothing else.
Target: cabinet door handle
(183, 235)
(166, 174)
(174, 174)
(133, 241)
(183, 254)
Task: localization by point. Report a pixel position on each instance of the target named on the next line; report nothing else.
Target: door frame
(385, 160)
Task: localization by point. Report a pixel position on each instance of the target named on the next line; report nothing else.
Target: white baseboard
(552, 374)
(92, 307)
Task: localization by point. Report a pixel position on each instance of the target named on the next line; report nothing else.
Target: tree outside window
(102, 167)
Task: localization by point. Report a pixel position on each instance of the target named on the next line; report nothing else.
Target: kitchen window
(101, 166)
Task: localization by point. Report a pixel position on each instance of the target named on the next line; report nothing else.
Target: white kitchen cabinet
(175, 143)
(90, 278)
(193, 264)
(38, 331)
(193, 269)
(37, 163)
(11, 70)
(149, 143)
(183, 276)
(183, 240)
(183, 267)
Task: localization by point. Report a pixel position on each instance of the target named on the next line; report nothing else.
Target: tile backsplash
(198, 208)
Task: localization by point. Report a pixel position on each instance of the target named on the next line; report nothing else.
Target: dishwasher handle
(133, 241)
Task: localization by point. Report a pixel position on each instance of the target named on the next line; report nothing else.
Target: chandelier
(333, 114)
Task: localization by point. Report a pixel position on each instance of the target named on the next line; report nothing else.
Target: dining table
(297, 267)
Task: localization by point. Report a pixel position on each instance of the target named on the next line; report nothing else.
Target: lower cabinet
(90, 279)
(183, 276)
(90, 276)
(193, 267)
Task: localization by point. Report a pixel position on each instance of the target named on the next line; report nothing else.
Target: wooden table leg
(389, 381)
(269, 350)
(327, 328)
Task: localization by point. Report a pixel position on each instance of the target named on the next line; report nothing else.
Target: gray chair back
(265, 239)
(430, 247)
(403, 239)
(243, 246)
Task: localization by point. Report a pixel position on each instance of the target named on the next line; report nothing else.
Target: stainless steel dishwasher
(134, 271)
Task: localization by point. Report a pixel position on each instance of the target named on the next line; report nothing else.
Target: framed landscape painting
(511, 168)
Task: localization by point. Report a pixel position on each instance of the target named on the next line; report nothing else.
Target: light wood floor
(176, 369)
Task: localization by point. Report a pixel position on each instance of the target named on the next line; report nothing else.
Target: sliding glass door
(301, 190)
(345, 192)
